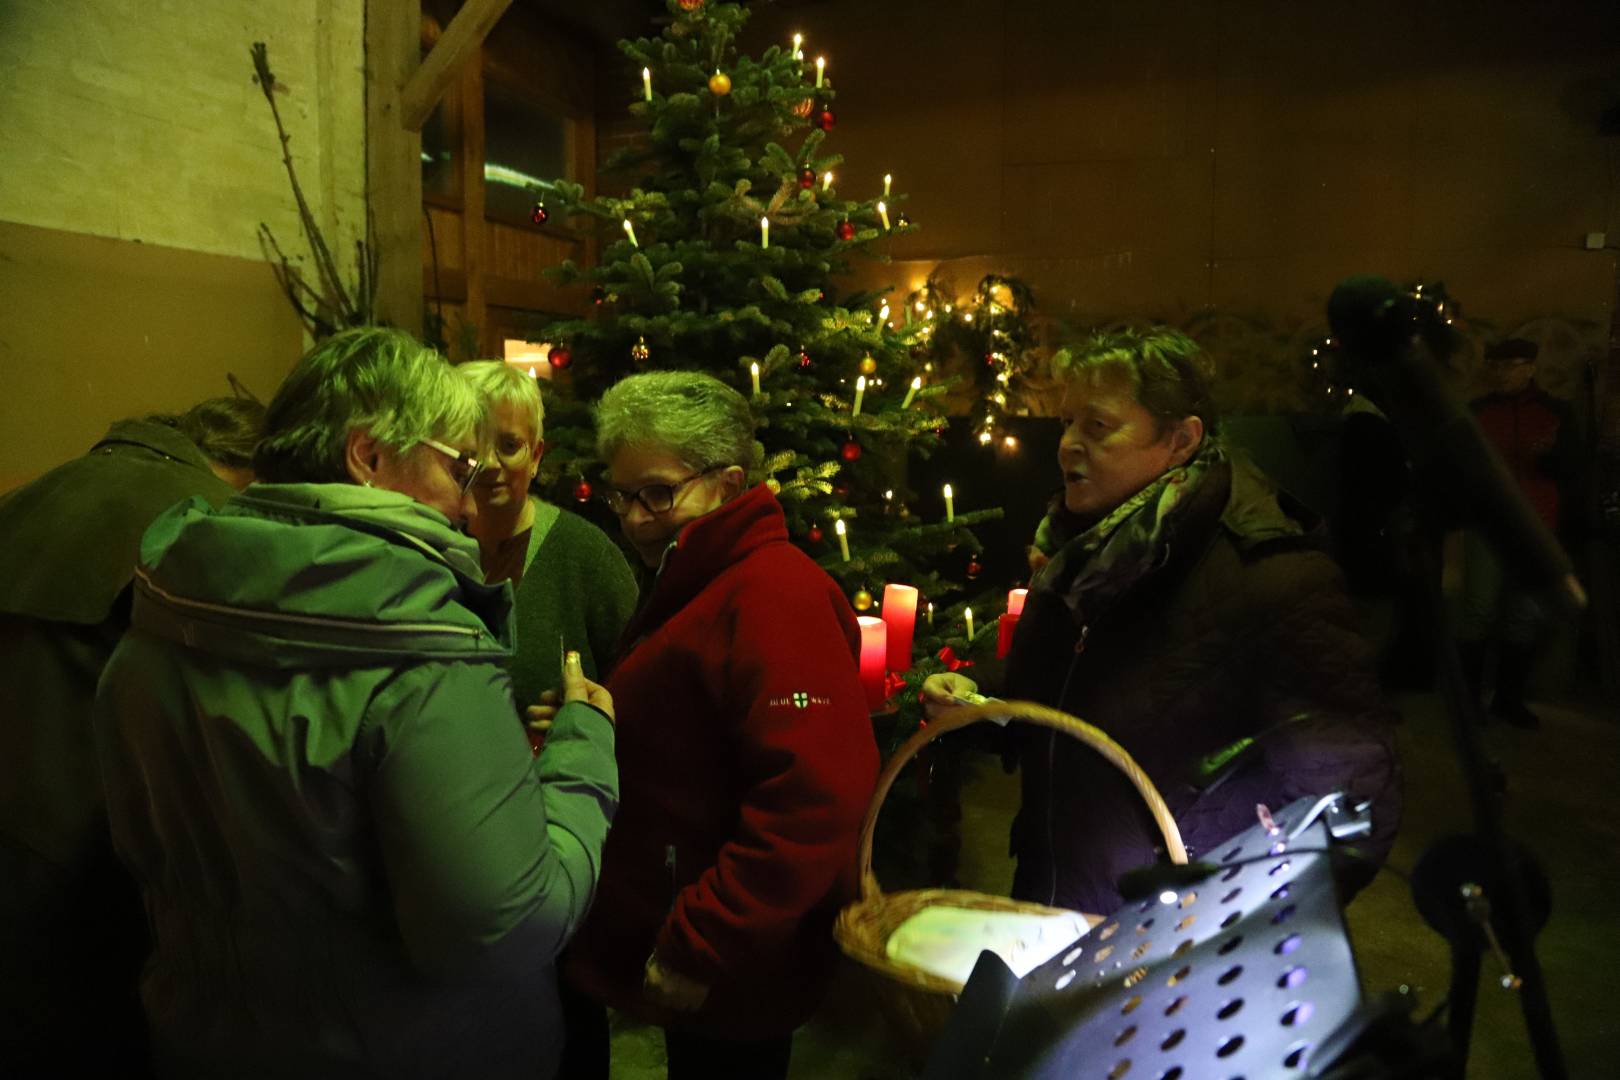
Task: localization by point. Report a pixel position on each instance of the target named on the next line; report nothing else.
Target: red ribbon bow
(949, 658)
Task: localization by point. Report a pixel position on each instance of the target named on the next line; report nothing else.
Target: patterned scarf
(1091, 569)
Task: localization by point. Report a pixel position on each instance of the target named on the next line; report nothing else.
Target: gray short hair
(697, 417)
(1169, 374)
(374, 378)
(500, 383)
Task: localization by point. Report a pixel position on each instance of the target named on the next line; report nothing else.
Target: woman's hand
(670, 989)
(576, 687)
(940, 691)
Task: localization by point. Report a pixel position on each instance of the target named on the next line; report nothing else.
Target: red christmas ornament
(807, 177)
(582, 491)
(815, 534)
(825, 120)
(846, 231)
(690, 5)
(804, 359)
(841, 490)
(850, 451)
(559, 357)
(974, 568)
(538, 215)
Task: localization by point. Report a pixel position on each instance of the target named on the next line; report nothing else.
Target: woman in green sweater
(573, 588)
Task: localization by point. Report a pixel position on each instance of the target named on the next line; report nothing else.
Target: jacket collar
(707, 546)
(1258, 512)
(156, 436)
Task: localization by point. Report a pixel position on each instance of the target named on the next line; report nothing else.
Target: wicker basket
(918, 1002)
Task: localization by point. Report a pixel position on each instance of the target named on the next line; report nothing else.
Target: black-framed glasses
(654, 498)
(464, 467)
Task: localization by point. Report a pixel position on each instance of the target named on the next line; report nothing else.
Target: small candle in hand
(630, 231)
(967, 617)
(764, 232)
(883, 212)
(950, 504)
(860, 392)
(843, 538)
(821, 70)
(753, 373)
(916, 385)
(646, 84)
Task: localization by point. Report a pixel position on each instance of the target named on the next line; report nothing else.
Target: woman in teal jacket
(314, 764)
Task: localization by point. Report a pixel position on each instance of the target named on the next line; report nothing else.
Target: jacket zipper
(1051, 768)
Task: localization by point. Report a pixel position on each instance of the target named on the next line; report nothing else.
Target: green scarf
(1090, 570)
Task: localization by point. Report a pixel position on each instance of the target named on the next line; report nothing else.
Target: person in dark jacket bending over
(746, 751)
(72, 933)
(1189, 611)
(314, 765)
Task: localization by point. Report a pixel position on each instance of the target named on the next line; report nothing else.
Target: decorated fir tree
(724, 255)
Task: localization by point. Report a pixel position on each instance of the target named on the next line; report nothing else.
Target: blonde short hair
(500, 383)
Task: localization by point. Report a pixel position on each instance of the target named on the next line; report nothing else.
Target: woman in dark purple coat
(1189, 609)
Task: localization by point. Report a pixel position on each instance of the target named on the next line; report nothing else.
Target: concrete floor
(1556, 777)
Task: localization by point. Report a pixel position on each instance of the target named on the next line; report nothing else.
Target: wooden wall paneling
(394, 161)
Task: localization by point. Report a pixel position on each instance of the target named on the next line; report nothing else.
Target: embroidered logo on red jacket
(799, 699)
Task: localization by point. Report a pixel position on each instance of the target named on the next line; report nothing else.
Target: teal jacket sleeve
(491, 856)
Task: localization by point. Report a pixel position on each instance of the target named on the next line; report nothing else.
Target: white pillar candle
(950, 504)
(916, 385)
(843, 539)
(646, 83)
(764, 232)
(967, 617)
(883, 212)
(887, 180)
(860, 392)
(821, 70)
(753, 372)
(630, 231)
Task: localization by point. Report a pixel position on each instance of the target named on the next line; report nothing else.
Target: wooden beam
(394, 161)
(474, 236)
(459, 43)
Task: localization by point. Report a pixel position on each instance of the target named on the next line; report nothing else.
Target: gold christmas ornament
(863, 601)
(639, 351)
(868, 365)
(719, 84)
(774, 486)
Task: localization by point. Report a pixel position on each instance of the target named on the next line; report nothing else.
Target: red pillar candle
(900, 612)
(874, 654)
(1015, 602)
(1005, 625)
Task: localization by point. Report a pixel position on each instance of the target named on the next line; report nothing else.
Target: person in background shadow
(1189, 611)
(72, 934)
(571, 584)
(1498, 614)
(353, 864)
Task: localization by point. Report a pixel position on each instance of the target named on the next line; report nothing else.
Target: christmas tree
(724, 255)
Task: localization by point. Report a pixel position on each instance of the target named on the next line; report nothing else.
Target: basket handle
(962, 716)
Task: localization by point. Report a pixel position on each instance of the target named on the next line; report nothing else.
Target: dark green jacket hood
(317, 575)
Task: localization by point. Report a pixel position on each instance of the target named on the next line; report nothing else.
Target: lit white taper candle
(860, 393)
(646, 83)
(967, 617)
(630, 231)
(753, 373)
(930, 613)
(843, 539)
(764, 232)
(826, 181)
(887, 180)
(950, 504)
(916, 385)
(821, 70)
(798, 40)
(883, 212)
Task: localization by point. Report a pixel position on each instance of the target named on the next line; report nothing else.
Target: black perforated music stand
(1239, 975)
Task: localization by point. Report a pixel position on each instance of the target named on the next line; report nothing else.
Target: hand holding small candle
(843, 538)
(753, 373)
(883, 213)
(646, 84)
(630, 231)
(860, 392)
(950, 504)
(916, 385)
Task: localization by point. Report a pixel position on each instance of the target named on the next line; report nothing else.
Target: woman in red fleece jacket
(746, 756)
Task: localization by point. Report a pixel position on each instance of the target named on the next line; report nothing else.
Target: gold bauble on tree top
(719, 84)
